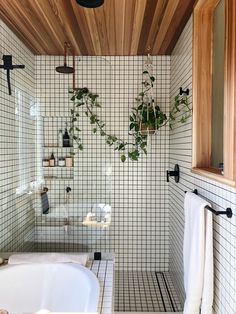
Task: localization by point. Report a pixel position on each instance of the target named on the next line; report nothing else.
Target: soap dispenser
(66, 139)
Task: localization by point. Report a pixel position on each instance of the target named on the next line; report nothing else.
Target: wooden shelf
(58, 167)
(57, 147)
(48, 178)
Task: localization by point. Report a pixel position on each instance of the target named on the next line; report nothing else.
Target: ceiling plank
(48, 17)
(146, 25)
(156, 22)
(128, 25)
(83, 26)
(91, 22)
(167, 18)
(137, 26)
(119, 25)
(26, 9)
(68, 21)
(101, 26)
(110, 26)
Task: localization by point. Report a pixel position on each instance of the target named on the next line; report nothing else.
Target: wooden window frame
(202, 91)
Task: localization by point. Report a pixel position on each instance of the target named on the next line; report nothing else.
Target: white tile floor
(104, 272)
(141, 291)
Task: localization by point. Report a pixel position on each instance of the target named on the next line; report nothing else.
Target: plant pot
(146, 130)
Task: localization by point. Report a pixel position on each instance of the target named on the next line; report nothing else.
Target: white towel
(198, 256)
(34, 258)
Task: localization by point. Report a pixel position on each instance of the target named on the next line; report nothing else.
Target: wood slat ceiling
(119, 27)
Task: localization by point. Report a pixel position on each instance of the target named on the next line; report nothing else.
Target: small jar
(45, 162)
(61, 162)
(69, 162)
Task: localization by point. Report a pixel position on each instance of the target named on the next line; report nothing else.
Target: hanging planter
(147, 117)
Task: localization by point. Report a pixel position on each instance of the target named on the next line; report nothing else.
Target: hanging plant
(145, 119)
(180, 111)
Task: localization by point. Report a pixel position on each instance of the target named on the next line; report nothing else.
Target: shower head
(65, 69)
(90, 3)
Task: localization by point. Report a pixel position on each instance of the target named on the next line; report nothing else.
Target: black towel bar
(227, 212)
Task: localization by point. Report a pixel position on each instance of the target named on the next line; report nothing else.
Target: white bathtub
(55, 287)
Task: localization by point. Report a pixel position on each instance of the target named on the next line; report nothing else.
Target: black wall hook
(181, 91)
(174, 173)
(7, 65)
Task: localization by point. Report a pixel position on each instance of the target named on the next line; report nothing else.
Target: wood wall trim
(202, 90)
(230, 92)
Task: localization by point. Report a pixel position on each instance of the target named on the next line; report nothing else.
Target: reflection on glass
(218, 86)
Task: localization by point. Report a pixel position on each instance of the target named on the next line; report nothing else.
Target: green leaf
(81, 147)
(123, 158)
(94, 130)
(121, 146)
(131, 126)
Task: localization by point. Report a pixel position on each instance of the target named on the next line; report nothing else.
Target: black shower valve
(173, 173)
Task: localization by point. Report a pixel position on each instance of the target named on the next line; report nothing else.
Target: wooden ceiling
(119, 27)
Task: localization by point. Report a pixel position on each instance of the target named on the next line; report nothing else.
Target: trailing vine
(145, 118)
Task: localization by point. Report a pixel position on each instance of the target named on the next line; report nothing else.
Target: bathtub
(56, 287)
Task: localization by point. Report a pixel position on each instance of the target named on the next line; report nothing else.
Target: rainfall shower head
(65, 69)
(90, 3)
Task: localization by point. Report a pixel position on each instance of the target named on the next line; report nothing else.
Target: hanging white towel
(198, 256)
(32, 258)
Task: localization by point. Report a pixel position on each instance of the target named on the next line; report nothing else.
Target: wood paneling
(202, 91)
(119, 27)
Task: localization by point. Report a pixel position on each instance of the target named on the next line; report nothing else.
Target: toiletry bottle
(52, 161)
(45, 162)
(66, 139)
(69, 161)
(61, 162)
(60, 138)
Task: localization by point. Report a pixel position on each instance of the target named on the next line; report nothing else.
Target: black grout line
(171, 301)
(160, 291)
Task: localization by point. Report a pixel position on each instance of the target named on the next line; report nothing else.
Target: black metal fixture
(182, 91)
(7, 65)
(65, 69)
(174, 173)
(97, 256)
(228, 212)
(90, 3)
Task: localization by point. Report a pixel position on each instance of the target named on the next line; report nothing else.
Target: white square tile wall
(136, 191)
(219, 195)
(16, 211)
